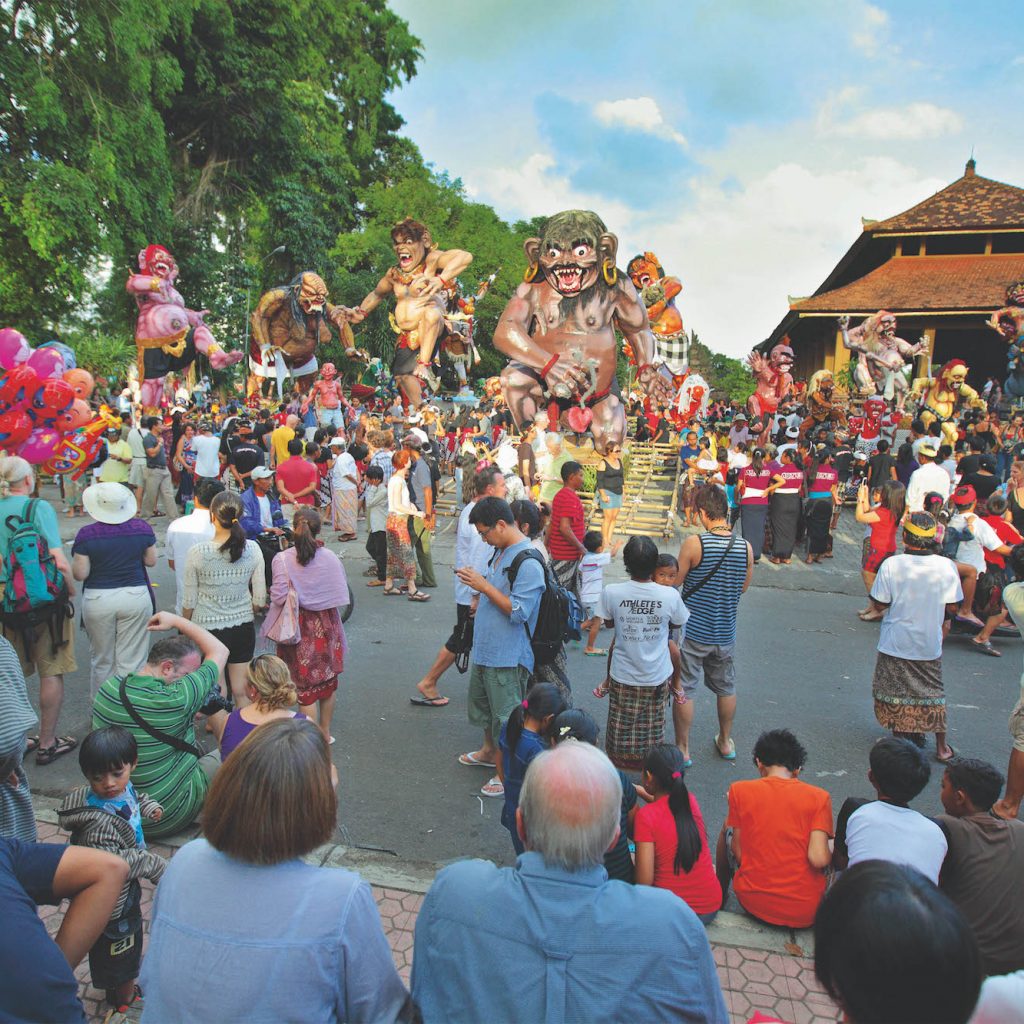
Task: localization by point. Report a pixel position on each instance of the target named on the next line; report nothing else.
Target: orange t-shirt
(775, 818)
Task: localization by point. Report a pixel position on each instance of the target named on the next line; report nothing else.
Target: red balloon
(19, 386)
(55, 396)
(15, 426)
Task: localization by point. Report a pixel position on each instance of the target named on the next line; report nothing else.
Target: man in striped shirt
(178, 679)
(714, 570)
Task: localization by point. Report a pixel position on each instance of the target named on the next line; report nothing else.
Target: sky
(741, 141)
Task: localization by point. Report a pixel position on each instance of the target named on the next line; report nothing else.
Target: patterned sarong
(636, 722)
(908, 694)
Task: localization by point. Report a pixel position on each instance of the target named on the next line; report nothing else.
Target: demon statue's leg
(524, 396)
(412, 389)
(609, 423)
(151, 393)
(219, 359)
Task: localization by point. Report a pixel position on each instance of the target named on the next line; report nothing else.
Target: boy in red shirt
(775, 836)
(567, 527)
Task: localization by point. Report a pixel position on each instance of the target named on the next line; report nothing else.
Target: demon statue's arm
(265, 316)
(631, 318)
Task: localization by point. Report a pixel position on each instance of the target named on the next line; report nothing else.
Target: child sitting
(107, 815)
(886, 828)
(671, 841)
(576, 724)
(592, 583)
(526, 733)
(376, 501)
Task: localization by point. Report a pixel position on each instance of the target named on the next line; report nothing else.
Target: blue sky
(740, 141)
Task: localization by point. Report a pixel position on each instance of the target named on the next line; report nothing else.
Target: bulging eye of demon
(581, 251)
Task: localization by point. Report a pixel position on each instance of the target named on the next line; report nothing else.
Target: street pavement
(804, 662)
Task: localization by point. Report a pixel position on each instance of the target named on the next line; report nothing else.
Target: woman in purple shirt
(270, 688)
(754, 488)
(110, 556)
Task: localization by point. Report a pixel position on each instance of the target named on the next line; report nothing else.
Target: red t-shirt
(793, 477)
(699, 886)
(824, 480)
(566, 503)
(883, 533)
(295, 474)
(775, 818)
(1007, 533)
(753, 481)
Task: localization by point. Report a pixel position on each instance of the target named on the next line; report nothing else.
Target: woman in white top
(401, 559)
(344, 490)
(224, 587)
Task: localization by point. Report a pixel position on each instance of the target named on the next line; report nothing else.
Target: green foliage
(728, 375)
(103, 355)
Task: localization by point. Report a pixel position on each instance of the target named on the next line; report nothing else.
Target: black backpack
(560, 613)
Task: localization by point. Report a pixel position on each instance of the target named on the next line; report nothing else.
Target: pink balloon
(40, 445)
(14, 348)
(47, 362)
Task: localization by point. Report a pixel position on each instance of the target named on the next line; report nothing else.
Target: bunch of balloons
(43, 399)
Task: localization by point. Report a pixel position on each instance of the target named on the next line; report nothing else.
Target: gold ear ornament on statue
(530, 274)
(609, 272)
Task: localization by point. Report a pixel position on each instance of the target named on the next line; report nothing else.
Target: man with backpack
(36, 606)
(505, 621)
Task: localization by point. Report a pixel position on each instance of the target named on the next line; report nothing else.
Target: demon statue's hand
(844, 323)
(425, 285)
(351, 315)
(567, 377)
(658, 386)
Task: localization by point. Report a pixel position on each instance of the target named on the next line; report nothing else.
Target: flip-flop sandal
(599, 693)
(493, 788)
(392, 591)
(946, 760)
(596, 653)
(731, 756)
(31, 743)
(375, 583)
(475, 762)
(429, 702)
(987, 648)
(64, 745)
(419, 597)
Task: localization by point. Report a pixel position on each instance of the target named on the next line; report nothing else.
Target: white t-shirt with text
(642, 614)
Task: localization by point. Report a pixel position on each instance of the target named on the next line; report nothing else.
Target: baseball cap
(261, 473)
(964, 495)
(337, 442)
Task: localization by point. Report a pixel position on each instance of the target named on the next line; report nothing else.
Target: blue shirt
(499, 640)
(124, 806)
(274, 925)
(115, 553)
(536, 943)
(529, 746)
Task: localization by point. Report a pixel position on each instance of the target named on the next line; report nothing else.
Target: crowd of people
(912, 911)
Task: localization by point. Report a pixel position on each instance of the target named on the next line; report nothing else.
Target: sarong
(401, 560)
(818, 515)
(784, 515)
(315, 661)
(344, 506)
(752, 520)
(567, 573)
(908, 694)
(636, 722)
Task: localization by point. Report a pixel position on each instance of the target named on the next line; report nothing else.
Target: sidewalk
(760, 968)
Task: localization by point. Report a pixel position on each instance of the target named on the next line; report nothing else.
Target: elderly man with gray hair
(553, 939)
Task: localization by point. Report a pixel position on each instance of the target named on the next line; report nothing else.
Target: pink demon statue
(327, 397)
(774, 383)
(881, 356)
(167, 334)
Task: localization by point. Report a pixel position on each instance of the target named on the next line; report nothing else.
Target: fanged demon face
(156, 260)
(1015, 294)
(570, 265)
(874, 408)
(328, 371)
(312, 294)
(1007, 326)
(409, 252)
(644, 270)
(955, 377)
(781, 358)
(887, 326)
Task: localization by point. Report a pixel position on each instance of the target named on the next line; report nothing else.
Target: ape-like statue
(659, 297)
(561, 324)
(944, 396)
(287, 325)
(421, 283)
(881, 356)
(1009, 323)
(774, 383)
(821, 408)
(167, 333)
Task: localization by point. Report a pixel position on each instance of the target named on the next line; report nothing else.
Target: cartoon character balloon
(42, 399)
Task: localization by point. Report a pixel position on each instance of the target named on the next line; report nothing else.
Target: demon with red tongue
(559, 328)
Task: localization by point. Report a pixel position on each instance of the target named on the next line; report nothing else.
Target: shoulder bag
(285, 628)
(688, 593)
(152, 730)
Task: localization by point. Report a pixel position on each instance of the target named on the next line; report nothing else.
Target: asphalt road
(804, 662)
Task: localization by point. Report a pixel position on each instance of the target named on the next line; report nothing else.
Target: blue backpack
(559, 616)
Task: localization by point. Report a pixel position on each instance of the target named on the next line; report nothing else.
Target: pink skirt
(316, 660)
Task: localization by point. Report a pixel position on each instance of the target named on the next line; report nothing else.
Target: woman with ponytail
(224, 586)
(754, 489)
(671, 840)
(822, 497)
(318, 579)
(526, 733)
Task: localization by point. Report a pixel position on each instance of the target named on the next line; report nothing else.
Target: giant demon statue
(167, 333)
(559, 331)
(943, 397)
(287, 325)
(659, 297)
(1009, 323)
(421, 284)
(773, 384)
(821, 406)
(881, 356)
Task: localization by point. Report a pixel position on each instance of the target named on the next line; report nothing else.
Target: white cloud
(913, 121)
(638, 114)
(871, 36)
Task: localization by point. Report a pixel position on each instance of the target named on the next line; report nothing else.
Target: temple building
(942, 267)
